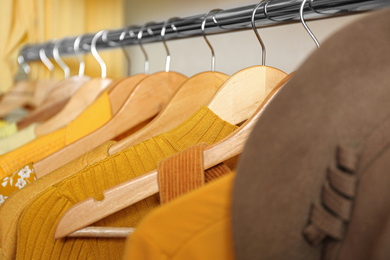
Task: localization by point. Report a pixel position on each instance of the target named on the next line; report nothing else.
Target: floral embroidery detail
(16, 181)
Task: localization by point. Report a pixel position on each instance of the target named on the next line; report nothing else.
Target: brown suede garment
(314, 178)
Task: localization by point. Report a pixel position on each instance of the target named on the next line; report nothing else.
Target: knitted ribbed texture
(183, 172)
(13, 207)
(38, 222)
(216, 172)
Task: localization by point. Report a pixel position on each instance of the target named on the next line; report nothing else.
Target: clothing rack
(276, 12)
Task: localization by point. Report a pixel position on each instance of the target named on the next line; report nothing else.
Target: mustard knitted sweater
(39, 220)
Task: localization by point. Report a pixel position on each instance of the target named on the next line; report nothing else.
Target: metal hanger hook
(253, 22)
(205, 38)
(163, 30)
(127, 56)
(96, 55)
(58, 59)
(265, 11)
(113, 43)
(44, 59)
(305, 25)
(76, 47)
(23, 64)
(139, 37)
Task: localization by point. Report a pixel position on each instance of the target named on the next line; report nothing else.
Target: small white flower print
(21, 183)
(25, 172)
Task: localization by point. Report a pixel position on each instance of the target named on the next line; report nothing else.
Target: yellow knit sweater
(38, 222)
(13, 207)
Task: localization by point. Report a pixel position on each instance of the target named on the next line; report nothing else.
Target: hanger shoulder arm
(233, 144)
(103, 232)
(241, 95)
(142, 104)
(195, 92)
(78, 216)
(146, 185)
(80, 100)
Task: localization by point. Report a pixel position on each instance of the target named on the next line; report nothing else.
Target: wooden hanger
(241, 95)
(41, 90)
(65, 89)
(27, 93)
(79, 101)
(62, 90)
(59, 94)
(48, 112)
(16, 97)
(256, 84)
(43, 114)
(118, 90)
(192, 94)
(143, 103)
(84, 96)
(146, 185)
(146, 100)
(235, 101)
(123, 195)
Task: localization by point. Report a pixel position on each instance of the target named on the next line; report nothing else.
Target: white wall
(287, 45)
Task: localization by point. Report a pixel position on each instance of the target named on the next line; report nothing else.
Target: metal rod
(278, 12)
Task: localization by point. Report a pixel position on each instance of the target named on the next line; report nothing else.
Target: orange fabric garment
(98, 113)
(194, 226)
(13, 207)
(183, 172)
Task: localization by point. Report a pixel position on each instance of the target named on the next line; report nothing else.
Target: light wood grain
(119, 94)
(127, 193)
(195, 92)
(241, 95)
(25, 93)
(16, 97)
(101, 232)
(41, 90)
(62, 90)
(147, 99)
(80, 100)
